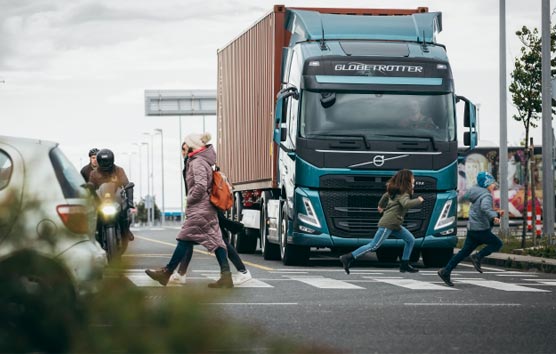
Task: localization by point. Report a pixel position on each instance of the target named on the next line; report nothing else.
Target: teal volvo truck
(317, 108)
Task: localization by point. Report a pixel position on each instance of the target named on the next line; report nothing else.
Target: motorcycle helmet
(105, 160)
(93, 152)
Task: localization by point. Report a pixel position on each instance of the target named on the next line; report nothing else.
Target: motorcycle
(113, 209)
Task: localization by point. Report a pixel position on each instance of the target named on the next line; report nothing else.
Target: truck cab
(351, 113)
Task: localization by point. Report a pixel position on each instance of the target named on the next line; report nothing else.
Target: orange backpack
(221, 193)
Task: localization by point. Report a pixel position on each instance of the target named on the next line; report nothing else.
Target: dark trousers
(473, 240)
(186, 247)
(232, 255)
(224, 224)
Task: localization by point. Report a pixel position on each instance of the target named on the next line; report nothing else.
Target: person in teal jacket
(393, 205)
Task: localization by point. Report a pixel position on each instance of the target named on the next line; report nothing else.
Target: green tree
(526, 89)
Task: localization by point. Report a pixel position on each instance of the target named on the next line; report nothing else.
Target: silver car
(47, 222)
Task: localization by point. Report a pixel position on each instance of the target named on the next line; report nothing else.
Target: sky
(75, 71)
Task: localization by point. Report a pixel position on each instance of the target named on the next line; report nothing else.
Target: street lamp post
(149, 196)
(151, 173)
(162, 171)
(140, 171)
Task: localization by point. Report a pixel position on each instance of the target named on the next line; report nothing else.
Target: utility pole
(547, 135)
(503, 153)
(163, 216)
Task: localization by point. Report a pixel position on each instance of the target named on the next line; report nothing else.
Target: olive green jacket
(394, 210)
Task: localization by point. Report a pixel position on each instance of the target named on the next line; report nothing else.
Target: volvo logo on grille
(378, 160)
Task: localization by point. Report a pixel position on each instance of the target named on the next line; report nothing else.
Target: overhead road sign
(180, 102)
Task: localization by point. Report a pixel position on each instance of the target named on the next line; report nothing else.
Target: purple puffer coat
(201, 220)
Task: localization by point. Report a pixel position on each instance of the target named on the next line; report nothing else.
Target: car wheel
(38, 304)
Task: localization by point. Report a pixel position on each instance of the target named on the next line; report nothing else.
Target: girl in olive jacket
(393, 205)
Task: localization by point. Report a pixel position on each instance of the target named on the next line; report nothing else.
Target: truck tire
(270, 251)
(388, 255)
(436, 257)
(291, 254)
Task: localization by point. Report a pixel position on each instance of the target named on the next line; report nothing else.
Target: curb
(512, 262)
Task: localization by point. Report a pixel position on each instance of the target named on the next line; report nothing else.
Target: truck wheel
(415, 255)
(436, 257)
(291, 254)
(388, 255)
(270, 251)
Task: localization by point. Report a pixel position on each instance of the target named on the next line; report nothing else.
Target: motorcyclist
(107, 172)
(88, 168)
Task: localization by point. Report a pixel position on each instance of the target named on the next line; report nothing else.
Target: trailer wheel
(291, 254)
(436, 257)
(270, 251)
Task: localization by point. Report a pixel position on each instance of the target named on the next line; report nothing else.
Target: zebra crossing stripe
(411, 284)
(326, 283)
(492, 284)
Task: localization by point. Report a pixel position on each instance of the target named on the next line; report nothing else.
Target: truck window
(377, 115)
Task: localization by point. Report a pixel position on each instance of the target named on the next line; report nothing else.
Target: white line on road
(325, 283)
(456, 304)
(254, 303)
(492, 284)
(412, 284)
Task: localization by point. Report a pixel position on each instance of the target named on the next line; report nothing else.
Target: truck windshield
(378, 116)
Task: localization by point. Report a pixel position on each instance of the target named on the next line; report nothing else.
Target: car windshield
(378, 116)
(70, 180)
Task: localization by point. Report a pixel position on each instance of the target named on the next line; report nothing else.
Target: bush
(122, 318)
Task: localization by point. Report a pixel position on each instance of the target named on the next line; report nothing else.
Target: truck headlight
(310, 218)
(444, 219)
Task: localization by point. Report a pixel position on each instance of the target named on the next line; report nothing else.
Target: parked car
(48, 251)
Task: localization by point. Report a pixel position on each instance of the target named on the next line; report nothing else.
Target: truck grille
(353, 213)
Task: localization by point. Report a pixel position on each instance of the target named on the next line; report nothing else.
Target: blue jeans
(382, 234)
(473, 240)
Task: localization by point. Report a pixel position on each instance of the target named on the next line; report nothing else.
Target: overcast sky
(75, 71)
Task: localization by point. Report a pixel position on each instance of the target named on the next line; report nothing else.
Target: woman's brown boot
(225, 281)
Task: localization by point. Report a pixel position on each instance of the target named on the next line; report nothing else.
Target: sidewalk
(521, 262)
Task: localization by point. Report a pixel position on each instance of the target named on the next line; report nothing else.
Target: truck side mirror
(469, 121)
(279, 118)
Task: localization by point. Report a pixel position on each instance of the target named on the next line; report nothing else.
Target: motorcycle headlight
(109, 209)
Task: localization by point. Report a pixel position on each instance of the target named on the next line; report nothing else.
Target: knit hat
(196, 141)
(485, 179)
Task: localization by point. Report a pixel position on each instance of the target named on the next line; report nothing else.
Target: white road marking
(492, 284)
(254, 303)
(325, 283)
(543, 282)
(457, 304)
(412, 284)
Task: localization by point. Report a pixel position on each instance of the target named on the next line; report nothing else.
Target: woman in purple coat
(201, 223)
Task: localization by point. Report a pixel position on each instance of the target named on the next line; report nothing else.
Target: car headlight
(109, 209)
(445, 219)
(310, 218)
